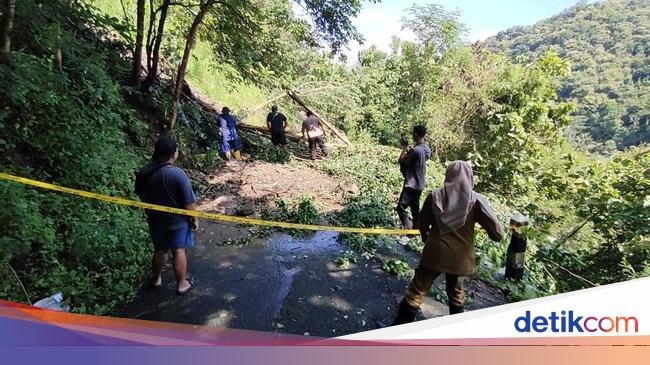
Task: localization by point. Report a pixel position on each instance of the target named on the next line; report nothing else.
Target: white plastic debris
(53, 302)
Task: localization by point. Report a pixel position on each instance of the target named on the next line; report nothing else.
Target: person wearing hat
(228, 126)
(161, 183)
(276, 122)
(446, 225)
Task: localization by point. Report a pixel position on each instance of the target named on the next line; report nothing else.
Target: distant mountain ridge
(608, 45)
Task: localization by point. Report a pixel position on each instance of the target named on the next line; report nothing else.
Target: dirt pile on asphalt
(245, 188)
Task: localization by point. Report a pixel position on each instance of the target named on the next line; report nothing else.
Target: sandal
(192, 286)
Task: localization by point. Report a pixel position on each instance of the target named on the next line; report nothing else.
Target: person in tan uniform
(446, 224)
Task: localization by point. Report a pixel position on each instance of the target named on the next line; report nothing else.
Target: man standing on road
(161, 183)
(312, 130)
(413, 166)
(276, 122)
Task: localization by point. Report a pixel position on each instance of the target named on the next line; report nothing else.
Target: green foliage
(613, 196)
(71, 127)
(240, 242)
(522, 128)
(435, 27)
(345, 260)
(302, 210)
(262, 149)
(606, 44)
(415, 244)
(333, 20)
(398, 267)
(376, 176)
(368, 212)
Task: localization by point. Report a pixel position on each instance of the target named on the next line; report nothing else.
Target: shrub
(70, 127)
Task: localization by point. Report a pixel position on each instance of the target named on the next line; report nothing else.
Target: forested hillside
(89, 85)
(608, 46)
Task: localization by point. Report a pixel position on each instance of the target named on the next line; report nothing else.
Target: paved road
(276, 284)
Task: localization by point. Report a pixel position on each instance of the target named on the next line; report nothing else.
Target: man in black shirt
(161, 183)
(413, 166)
(276, 122)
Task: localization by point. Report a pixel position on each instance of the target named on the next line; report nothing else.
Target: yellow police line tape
(205, 215)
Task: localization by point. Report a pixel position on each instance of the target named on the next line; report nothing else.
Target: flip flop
(192, 286)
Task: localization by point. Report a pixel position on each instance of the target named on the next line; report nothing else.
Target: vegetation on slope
(607, 46)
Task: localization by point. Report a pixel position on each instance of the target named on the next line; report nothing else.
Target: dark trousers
(422, 282)
(409, 198)
(313, 143)
(278, 138)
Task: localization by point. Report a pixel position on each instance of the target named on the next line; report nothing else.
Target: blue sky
(484, 18)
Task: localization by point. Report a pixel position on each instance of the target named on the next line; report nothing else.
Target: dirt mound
(244, 188)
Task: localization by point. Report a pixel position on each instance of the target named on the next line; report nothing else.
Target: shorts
(179, 238)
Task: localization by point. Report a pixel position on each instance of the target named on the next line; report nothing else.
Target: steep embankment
(65, 120)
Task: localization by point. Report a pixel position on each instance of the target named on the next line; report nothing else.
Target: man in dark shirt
(276, 122)
(412, 163)
(161, 183)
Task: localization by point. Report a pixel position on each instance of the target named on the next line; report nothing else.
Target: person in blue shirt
(161, 183)
(230, 139)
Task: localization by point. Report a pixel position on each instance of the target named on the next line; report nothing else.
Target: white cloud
(481, 35)
(378, 25)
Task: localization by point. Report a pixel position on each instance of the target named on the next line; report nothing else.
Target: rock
(244, 209)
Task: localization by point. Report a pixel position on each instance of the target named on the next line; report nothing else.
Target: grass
(211, 78)
(204, 71)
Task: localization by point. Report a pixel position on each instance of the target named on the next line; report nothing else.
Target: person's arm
(304, 129)
(488, 220)
(187, 198)
(195, 220)
(284, 123)
(268, 122)
(322, 127)
(406, 156)
(425, 218)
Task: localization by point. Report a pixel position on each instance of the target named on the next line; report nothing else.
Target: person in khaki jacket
(446, 224)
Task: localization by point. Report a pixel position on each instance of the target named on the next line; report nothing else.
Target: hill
(607, 46)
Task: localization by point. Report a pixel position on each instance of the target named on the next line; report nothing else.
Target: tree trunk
(329, 126)
(296, 137)
(155, 54)
(6, 23)
(139, 37)
(189, 44)
(149, 41)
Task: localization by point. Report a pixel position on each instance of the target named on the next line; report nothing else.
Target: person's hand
(195, 223)
(404, 143)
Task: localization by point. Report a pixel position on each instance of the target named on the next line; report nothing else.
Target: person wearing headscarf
(161, 183)
(230, 139)
(446, 225)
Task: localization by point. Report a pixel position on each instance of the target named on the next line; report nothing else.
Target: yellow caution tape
(205, 215)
